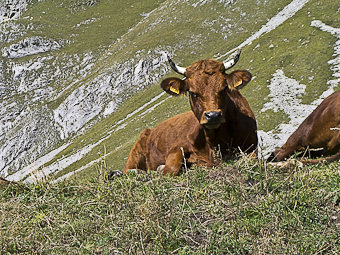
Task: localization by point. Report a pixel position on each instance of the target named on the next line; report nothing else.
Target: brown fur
(316, 132)
(4, 182)
(191, 134)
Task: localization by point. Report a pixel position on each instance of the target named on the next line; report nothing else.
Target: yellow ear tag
(172, 89)
(238, 83)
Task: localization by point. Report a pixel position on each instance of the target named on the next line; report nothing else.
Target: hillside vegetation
(99, 86)
(241, 207)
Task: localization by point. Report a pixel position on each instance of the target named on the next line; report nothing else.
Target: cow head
(209, 88)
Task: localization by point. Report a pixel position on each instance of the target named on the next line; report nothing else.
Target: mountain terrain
(79, 79)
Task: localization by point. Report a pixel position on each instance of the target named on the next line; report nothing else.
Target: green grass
(62, 20)
(240, 207)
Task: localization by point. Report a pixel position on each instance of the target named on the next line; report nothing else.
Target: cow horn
(176, 68)
(231, 63)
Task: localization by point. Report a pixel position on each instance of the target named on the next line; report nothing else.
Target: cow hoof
(113, 174)
(160, 168)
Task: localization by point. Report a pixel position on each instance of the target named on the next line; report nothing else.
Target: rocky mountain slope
(79, 78)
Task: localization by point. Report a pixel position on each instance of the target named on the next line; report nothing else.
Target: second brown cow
(220, 118)
(321, 129)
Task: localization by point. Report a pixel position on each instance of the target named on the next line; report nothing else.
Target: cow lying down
(321, 129)
(220, 118)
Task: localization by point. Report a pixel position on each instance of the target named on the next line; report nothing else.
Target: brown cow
(220, 118)
(321, 129)
(4, 182)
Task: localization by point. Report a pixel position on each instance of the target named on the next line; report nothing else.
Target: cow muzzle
(212, 119)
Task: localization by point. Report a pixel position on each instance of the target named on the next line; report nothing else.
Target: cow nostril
(212, 115)
(207, 115)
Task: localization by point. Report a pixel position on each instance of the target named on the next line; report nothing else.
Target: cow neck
(213, 136)
(210, 136)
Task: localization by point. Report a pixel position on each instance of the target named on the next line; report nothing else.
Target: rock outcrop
(12, 9)
(30, 46)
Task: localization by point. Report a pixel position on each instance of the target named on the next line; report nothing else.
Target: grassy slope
(298, 59)
(63, 20)
(299, 50)
(242, 207)
(178, 33)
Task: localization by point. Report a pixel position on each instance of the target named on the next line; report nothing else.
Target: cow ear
(238, 79)
(174, 86)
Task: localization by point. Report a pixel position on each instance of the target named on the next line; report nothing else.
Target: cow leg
(173, 163)
(284, 152)
(137, 157)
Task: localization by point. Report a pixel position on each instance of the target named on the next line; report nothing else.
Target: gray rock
(12, 9)
(30, 46)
